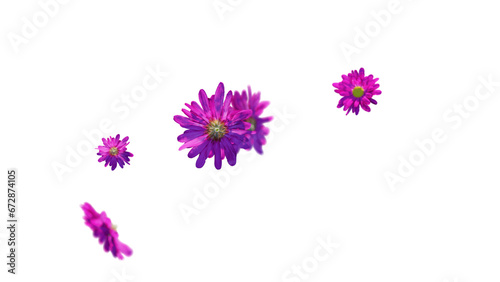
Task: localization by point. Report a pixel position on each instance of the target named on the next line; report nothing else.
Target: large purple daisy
(105, 231)
(214, 129)
(357, 90)
(255, 136)
(114, 152)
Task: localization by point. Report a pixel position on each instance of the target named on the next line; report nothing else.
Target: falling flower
(214, 129)
(255, 135)
(357, 90)
(114, 152)
(105, 231)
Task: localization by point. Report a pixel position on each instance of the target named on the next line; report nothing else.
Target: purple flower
(357, 90)
(114, 152)
(105, 231)
(213, 129)
(255, 135)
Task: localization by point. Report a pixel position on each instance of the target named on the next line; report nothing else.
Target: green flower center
(113, 151)
(216, 129)
(358, 92)
(253, 122)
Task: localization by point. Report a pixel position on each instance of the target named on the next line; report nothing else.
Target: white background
(321, 175)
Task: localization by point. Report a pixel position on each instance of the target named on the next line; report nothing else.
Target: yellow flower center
(253, 122)
(216, 129)
(358, 92)
(113, 151)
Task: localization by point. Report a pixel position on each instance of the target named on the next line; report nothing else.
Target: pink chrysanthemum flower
(255, 136)
(357, 90)
(105, 231)
(214, 129)
(114, 152)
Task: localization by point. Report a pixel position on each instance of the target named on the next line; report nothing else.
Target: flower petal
(229, 151)
(195, 151)
(227, 103)
(242, 115)
(194, 142)
(219, 99)
(200, 162)
(217, 152)
(202, 96)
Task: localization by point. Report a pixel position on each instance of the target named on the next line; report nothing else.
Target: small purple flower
(105, 231)
(114, 152)
(357, 90)
(213, 129)
(255, 136)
